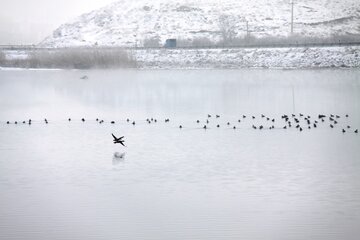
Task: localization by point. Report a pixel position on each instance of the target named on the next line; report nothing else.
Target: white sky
(30, 21)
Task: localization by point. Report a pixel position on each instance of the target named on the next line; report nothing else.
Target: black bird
(261, 127)
(207, 121)
(83, 119)
(128, 120)
(23, 122)
(267, 119)
(332, 126)
(300, 129)
(284, 127)
(347, 115)
(180, 127)
(218, 125)
(112, 122)
(239, 120)
(228, 123)
(262, 115)
(273, 120)
(217, 116)
(197, 121)
(209, 116)
(118, 140)
(356, 131)
(7, 122)
(253, 126)
(348, 126)
(15, 122)
(244, 116)
(133, 123)
(69, 119)
(234, 127)
(315, 125)
(155, 120)
(96, 119)
(335, 122)
(343, 131)
(204, 127)
(253, 117)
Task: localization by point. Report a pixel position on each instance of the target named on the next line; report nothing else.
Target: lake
(61, 180)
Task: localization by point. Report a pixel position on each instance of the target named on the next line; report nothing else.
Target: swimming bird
(69, 119)
(7, 122)
(228, 123)
(197, 121)
(332, 126)
(343, 131)
(133, 123)
(348, 126)
(234, 127)
(112, 122)
(118, 140)
(347, 115)
(204, 127)
(239, 120)
(83, 119)
(217, 116)
(218, 125)
(261, 127)
(180, 127)
(356, 131)
(209, 116)
(15, 122)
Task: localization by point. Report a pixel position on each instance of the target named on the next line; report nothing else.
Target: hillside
(129, 23)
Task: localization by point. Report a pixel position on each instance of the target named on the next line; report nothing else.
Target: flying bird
(119, 140)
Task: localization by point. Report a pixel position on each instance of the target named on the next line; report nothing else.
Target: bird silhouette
(118, 140)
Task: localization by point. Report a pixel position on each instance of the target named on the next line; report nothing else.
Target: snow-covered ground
(242, 58)
(128, 23)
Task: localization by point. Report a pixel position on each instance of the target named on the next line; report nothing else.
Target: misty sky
(30, 21)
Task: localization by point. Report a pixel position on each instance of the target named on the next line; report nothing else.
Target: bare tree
(152, 42)
(227, 29)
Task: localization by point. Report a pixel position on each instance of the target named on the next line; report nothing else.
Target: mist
(29, 22)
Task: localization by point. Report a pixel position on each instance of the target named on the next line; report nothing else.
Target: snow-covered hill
(129, 22)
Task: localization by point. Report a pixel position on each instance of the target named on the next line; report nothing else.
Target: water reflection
(118, 158)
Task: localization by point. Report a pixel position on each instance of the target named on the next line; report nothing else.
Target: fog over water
(61, 180)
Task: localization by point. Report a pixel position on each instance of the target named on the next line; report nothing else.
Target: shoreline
(343, 57)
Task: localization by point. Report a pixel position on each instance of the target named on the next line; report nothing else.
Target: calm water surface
(61, 181)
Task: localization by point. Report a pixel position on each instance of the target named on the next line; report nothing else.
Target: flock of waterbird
(299, 122)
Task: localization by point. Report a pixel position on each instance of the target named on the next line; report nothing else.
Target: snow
(315, 57)
(128, 23)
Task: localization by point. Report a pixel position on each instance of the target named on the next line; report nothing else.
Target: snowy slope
(128, 22)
